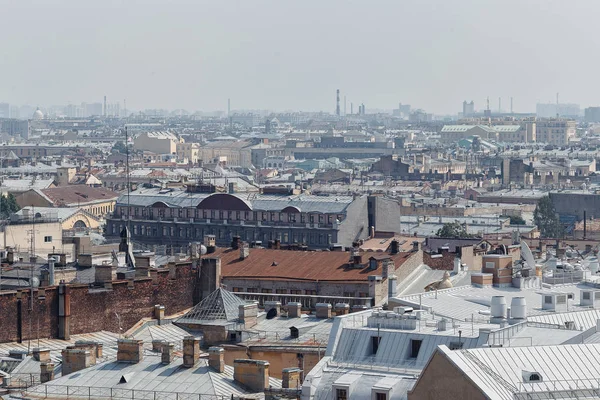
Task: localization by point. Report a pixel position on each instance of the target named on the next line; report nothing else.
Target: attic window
(586, 295)
(535, 378)
(547, 299)
(375, 340)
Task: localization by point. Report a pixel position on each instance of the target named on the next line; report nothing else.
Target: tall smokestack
(105, 105)
(351, 108)
(345, 103)
(337, 103)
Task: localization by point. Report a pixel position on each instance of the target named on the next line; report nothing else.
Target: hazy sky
(294, 54)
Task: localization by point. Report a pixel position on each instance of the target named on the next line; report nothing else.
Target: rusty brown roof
(77, 194)
(299, 265)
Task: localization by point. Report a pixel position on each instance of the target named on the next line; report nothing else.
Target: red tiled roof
(298, 265)
(78, 194)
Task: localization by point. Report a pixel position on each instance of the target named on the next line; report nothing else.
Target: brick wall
(94, 310)
(44, 314)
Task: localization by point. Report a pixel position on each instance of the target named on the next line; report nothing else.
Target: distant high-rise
(551, 110)
(468, 109)
(337, 103)
(4, 110)
(592, 114)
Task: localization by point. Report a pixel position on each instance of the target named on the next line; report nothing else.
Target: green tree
(119, 147)
(516, 220)
(8, 205)
(546, 219)
(453, 230)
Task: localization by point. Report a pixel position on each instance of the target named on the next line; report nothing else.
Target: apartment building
(555, 131)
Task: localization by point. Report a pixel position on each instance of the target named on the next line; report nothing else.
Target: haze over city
(293, 55)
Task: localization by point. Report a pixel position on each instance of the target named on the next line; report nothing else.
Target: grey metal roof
(149, 376)
(180, 198)
(568, 369)
(219, 306)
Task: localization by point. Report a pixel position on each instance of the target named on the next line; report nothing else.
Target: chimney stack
(167, 353)
(159, 312)
(290, 378)
(41, 355)
(392, 284)
(395, 247)
(248, 314)
(74, 360)
(294, 309)
(235, 242)
(323, 310)
(244, 251)
(342, 309)
(254, 374)
(46, 372)
(210, 242)
(191, 351)
(269, 305)
(216, 358)
(130, 350)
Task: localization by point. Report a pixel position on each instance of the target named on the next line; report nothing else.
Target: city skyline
(432, 55)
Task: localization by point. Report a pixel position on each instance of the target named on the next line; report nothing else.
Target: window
(237, 289)
(295, 291)
(381, 396)
(47, 239)
(547, 299)
(252, 290)
(415, 346)
(341, 394)
(281, 291)
(310, 292)
(266, 291)
(375, 340)
(535, 378)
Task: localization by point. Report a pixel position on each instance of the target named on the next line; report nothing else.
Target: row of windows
(231, 215)
(248, 235)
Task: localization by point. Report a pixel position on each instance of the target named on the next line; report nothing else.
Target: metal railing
(572, 388)
(88, 392)
(307, 300)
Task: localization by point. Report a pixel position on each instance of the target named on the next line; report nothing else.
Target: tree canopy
(119, 147)
(516, 220)
(8, 205)
(453, 230)
(546, 219)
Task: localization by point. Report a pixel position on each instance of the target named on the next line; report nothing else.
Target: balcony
(307, 301)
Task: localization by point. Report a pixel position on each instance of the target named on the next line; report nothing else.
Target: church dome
(38, 114)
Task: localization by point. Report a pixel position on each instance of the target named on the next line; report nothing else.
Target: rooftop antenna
(337, 102)
(128, 179)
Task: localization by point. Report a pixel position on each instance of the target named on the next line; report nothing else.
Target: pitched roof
(221, 305)
(77, 194)
(500, 371)
(300, 265)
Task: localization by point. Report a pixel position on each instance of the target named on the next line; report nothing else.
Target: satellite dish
(527, 255)
(35, 282)
(272, 313)
(202, 249)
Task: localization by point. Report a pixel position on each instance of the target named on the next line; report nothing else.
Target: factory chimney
(337, 103)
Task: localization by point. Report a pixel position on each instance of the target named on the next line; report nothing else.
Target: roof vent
(532, 377)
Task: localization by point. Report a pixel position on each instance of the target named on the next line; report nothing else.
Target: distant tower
(499, 104)
(125, 107)
(351, 108)
(337, 103)
(105, 105)
(345, 104)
